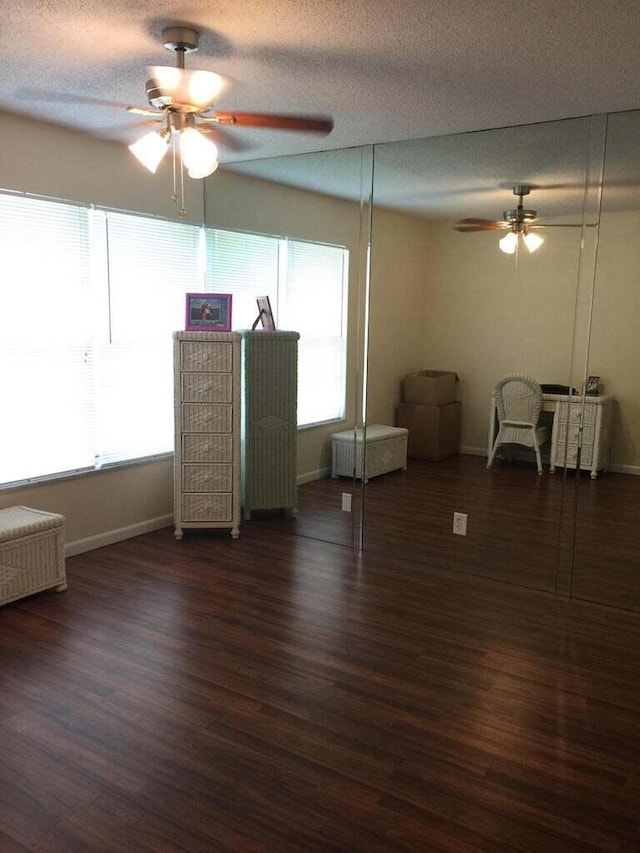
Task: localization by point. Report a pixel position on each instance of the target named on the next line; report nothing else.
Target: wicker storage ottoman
(31, 552)
(386, 450)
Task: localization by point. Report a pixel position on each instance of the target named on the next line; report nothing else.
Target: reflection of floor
(520, 525)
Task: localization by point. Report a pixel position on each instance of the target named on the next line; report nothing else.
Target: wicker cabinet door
(270, 421)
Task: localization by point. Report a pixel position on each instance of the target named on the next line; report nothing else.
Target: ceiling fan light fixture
(196, 89)
(509, 243)
(150, 149)
(532, 241)
(199, 155)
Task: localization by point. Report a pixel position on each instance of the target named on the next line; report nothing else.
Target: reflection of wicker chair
(519, 403)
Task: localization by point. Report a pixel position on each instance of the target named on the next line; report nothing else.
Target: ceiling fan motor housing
(182, 39)
(520, 214)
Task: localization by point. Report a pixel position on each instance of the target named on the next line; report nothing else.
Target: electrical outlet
(346, 502)
(460, 523)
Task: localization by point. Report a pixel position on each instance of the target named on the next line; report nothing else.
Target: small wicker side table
(31, 552)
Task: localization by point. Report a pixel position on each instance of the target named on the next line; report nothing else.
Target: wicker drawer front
(207, 478)
(576, 413)
(571, 433)
(205, 357)
(206, 387)
(206, 507)
(199, 417)
(207, 448)
(571, 457)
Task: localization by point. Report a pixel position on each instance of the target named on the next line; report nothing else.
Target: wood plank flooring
(277, 693)
(565, 534)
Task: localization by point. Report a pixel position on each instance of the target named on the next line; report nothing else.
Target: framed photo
(208, 312)
(266, 314)
(592, 388)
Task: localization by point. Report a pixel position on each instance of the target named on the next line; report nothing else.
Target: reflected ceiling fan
(519, 223)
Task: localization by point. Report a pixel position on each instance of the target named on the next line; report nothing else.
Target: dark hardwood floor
(560, 533)
(277, 693)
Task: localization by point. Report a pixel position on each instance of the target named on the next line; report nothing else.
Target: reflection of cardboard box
(429, 388)
(434, 431)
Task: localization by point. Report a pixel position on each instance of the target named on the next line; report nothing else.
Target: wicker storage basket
(31, 552)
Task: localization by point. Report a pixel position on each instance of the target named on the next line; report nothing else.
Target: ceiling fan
(182, 114)
(182, 100)
(519, 222)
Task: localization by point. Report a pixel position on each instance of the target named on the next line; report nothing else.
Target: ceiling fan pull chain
(183, 212)
(174, 196)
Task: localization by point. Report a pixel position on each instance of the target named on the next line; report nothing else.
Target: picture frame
(265, 314)
(592, 386)
(208, 312)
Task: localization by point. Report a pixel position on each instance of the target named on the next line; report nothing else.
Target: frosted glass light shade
(532, 241)
(509, 243)
(150, 150)
(198, 88)
(198, 154)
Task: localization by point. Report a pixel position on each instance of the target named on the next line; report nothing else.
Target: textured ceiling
(384, 69)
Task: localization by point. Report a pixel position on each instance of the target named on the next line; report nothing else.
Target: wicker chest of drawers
(582, 434)
(207, 430)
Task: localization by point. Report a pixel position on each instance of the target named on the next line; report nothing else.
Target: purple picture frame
(208, 312)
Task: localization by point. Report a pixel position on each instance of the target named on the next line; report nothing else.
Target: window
(307, 286)
(87, 307)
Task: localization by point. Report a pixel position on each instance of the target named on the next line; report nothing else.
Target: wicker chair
(519, 403)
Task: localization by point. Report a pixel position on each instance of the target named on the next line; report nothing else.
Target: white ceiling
(384, 69)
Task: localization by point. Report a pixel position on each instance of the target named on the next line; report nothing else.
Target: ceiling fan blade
(144, 111)
(224, 138)
(307, 124)
(67, 98)
(472, 224)
(473, 221)
(559, 225)
(468, 228)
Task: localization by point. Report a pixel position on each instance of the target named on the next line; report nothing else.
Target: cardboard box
(434, 431)
(429, 388)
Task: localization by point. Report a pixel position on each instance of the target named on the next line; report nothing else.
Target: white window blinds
(152, 264)
(313, 302)
(88, 303)
(45, 341)
(245, 265)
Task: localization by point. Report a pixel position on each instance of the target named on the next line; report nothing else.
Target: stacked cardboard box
(431, 414)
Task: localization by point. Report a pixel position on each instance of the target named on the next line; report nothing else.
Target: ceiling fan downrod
(181, 40)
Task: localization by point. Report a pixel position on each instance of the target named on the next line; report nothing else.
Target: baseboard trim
(625, 469)
(634, 470)
(311, 476)
(110, 537)
(474, 451)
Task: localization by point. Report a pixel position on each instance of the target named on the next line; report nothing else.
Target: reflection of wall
(487, 315)
(402, 262)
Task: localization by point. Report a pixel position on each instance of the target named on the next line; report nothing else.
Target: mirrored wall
(441, 295)
(325, 199)
(606, 555)
(446, 297)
